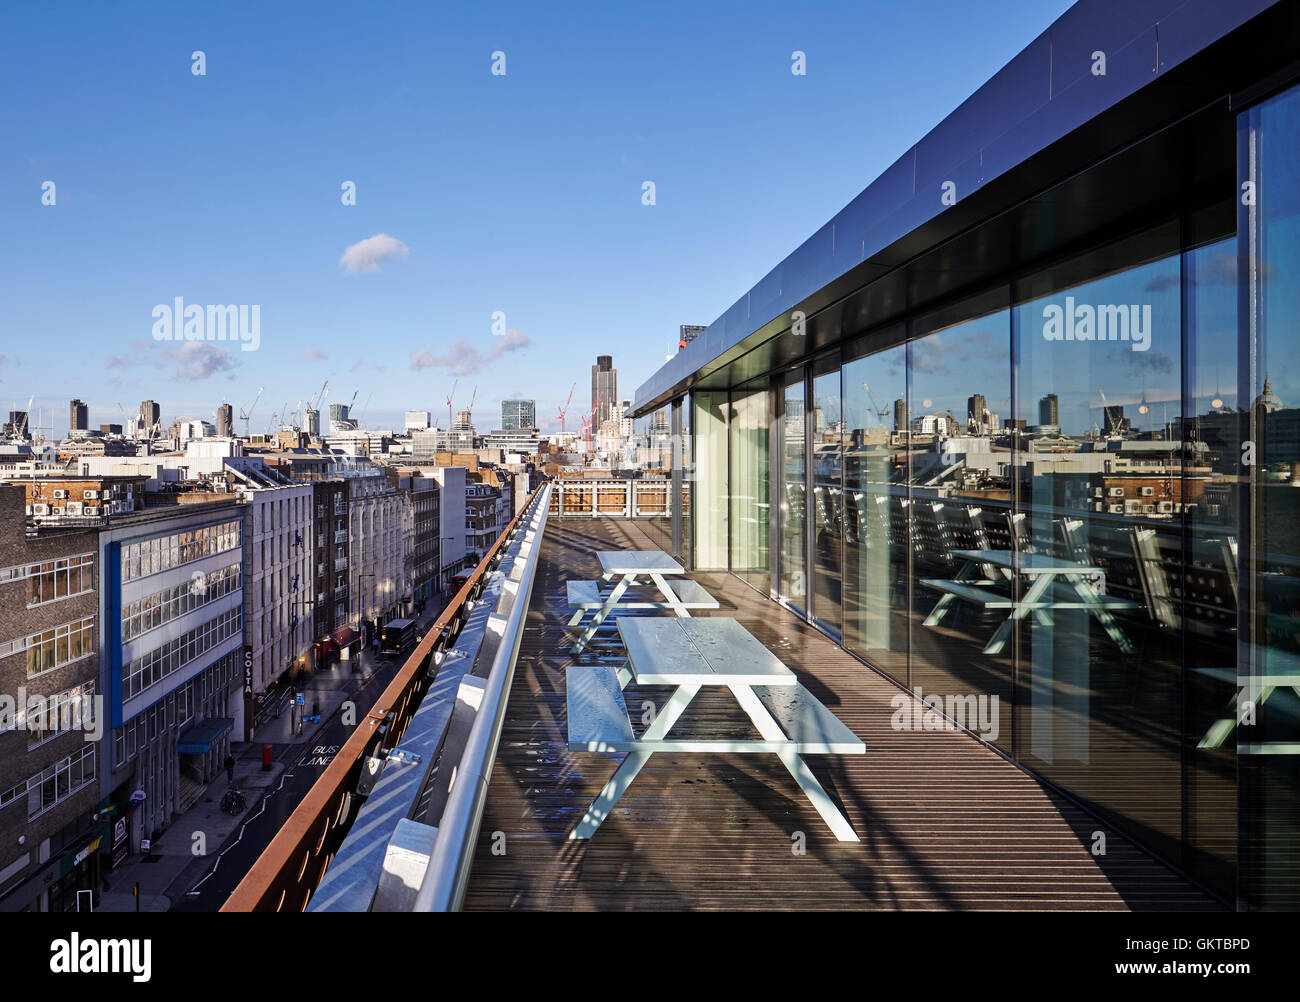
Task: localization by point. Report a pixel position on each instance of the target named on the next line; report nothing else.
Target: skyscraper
(78, 416)
(311, 422)
(150, 415)
(900, 414)
(976, 408)
(225, 421)
(516, 414)
(1049, 411)
(604, 389)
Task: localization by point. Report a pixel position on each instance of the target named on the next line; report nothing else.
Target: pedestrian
(230, 768)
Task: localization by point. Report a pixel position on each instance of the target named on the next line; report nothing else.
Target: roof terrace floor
(946, 823)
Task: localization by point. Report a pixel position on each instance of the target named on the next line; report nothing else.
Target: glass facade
(1066, 507)
(1268, 666)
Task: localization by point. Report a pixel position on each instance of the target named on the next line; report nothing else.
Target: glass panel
(750, 502)
(1098, 477)
(828, 492)
(959, 387)
(875, 485)
(710, 431)
(1210, 435)
(793, 583)
(1268, 741)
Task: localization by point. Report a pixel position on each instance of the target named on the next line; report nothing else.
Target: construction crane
(881, 412)
(245, 414)
(313, 404)
(449, 398)
(565, 409)
(470, 409)
(365, 407)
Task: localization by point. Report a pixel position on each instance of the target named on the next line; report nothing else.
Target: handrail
(285, 875)
(443, 887)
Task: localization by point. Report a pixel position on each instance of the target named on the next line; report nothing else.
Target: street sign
(302, 699)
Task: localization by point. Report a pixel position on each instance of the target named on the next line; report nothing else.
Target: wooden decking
(945, 822)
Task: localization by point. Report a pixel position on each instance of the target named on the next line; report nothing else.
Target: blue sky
(518, 193)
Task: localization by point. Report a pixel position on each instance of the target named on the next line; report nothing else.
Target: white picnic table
(629, 566)
(690, 654)
(1282, 672)
(1053, 584)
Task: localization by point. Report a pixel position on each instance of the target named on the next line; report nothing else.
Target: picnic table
(1053, 584)
(1283, 672)
(690, 654)
(629, 566)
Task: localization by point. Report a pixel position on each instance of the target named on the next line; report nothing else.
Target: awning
(197, 740)
(345, 636)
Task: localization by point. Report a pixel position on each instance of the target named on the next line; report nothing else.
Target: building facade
(1102, 264)
(517, 415)
(51, 713)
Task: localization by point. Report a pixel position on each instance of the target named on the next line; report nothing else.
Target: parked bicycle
(234, 801)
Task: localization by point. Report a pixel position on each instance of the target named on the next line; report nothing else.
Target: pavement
(184, 866)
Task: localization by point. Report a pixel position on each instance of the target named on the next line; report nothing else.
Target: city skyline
(403, 292)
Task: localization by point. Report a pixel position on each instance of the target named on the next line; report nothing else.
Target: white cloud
(313, 354)
(368, 253)
(462, 358)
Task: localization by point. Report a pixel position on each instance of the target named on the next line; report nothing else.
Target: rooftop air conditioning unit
(1099, 506)
(92, 495)
(60, 494)
(1165, 507)
(1148, 492)
(1099, 492)
(40, 509)
(92, 510)
(1148, 509)
(1117, 509)
(1116, 492)
(74, 507)
(29, 509)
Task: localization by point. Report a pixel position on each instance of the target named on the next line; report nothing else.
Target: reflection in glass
(828, 490)
(710, 488)
(875, 483)
(1269, 672)
(750, 527)
(1101, 486)
(793, 581)
(959, 450)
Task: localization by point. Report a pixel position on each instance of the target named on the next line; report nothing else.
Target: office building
(49, 758)
(225, 421)
(1101, 255)
(1049, 411)
(78, 416)
(604, 390)
(150, 415)
(415, 421)
(517, 415)
(311, 422)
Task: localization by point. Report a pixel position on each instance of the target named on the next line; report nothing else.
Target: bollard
(266, 758)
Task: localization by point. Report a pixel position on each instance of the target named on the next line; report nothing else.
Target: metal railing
(614, 498)
(287, 873)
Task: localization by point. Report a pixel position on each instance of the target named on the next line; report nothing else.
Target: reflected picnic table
(1053, 584)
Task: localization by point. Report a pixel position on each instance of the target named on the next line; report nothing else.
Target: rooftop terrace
(945, 821)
